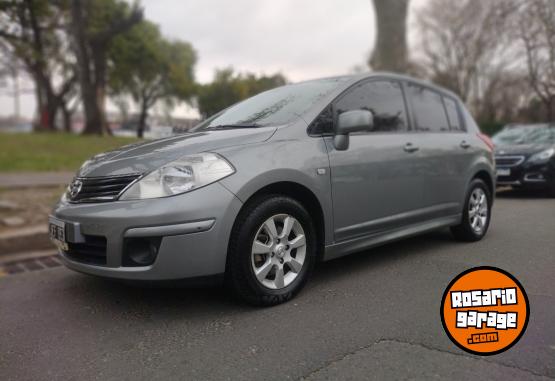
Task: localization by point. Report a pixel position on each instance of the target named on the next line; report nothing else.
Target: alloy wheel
(278, 251)
(478, 210)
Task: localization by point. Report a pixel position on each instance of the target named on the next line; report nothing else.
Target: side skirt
(343, 248)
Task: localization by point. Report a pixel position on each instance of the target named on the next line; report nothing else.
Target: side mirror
(349, 122)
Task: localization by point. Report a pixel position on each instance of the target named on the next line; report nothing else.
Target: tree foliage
(32, 32)
(229, 87)
(150, 68)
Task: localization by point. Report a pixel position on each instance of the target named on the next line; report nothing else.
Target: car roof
(351, 79)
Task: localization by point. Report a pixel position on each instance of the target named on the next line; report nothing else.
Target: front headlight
(542, 156)
(182, 175)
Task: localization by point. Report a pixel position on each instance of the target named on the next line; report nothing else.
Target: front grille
(98, 189)
(508, 161)
(92, 251)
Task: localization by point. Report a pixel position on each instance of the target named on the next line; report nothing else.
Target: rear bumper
(191, 232)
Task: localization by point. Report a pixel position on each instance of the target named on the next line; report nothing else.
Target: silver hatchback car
(260, 192)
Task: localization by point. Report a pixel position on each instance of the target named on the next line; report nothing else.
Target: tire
(255, 249)
(551, 190)
(472, 229)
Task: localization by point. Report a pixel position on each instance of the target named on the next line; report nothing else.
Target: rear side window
(383, 98)
(453, 114)
(428, 109)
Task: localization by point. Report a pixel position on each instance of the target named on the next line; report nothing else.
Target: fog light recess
(140, 251)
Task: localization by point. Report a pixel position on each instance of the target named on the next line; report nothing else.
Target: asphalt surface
(373, 315)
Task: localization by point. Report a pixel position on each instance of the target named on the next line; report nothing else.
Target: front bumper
(192, 231)
(526, 175)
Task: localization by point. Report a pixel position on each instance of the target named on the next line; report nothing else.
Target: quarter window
(428, 109)
(383, 98)
(323, 124)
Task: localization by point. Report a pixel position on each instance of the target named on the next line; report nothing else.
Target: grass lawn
(51, 152)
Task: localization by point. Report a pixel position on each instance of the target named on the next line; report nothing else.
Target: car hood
(147, 156)
(521, 149)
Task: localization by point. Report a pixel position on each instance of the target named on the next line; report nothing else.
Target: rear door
(377, 181)
(445, 153)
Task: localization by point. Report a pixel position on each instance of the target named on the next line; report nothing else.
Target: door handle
(464, 144)
(410, 148)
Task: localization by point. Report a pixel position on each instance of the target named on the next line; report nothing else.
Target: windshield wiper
(232, 126)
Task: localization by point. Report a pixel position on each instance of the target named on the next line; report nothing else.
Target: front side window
(383, 98)
(428, 109)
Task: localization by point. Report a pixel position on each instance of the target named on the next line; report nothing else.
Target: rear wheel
(272, 251)
(476, 213)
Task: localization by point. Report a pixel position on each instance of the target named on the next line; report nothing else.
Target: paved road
(374, 315)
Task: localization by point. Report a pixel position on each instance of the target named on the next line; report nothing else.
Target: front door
(377, 181)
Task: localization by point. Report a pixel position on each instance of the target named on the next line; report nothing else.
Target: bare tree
(537, 34)
(390, 52)
(465, 47)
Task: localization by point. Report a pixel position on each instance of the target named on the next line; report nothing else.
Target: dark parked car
(525, 156)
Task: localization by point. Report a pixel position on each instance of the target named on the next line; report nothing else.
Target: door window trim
(409, 110)
(345, 92)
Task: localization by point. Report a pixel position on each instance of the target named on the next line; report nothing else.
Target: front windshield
(532, 134)
(273, 107)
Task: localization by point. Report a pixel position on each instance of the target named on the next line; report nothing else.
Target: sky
(301, 39)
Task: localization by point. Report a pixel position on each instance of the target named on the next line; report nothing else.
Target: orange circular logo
(485, 310)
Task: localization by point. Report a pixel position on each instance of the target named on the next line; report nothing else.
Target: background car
(525, 157)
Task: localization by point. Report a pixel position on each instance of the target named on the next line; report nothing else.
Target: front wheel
(476, 213)
(272, 251)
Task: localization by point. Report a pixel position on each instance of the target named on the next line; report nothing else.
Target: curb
(29, 239)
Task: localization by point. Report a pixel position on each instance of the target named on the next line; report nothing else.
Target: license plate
(503, 172)
(57, 231)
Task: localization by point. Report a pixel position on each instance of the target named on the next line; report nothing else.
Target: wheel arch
(486, 178)
(300, 193)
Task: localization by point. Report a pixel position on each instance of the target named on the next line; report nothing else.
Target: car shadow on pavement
(510, 193)
(382, 255)
(202, 301)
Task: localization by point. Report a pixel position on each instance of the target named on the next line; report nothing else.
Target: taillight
(486, 139)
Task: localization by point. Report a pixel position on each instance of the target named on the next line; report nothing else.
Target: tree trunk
(100, 61)
(47, 104)
(550, 110)
(66, 113)
(142, 119)
(390, 51)
(93, 115)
